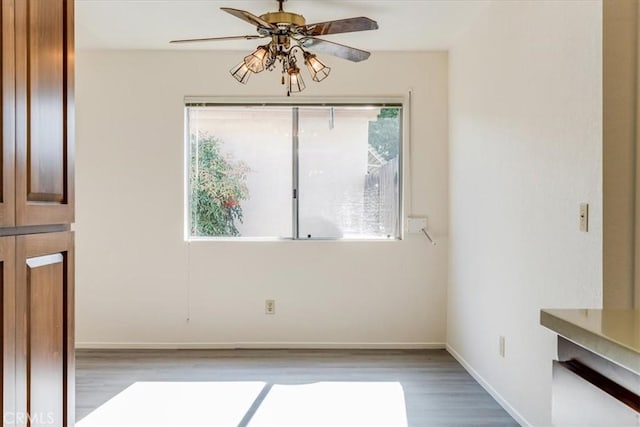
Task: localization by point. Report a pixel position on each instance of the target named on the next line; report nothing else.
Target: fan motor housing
(284, 18)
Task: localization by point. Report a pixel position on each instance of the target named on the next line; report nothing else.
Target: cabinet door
(7, 186)
(577, 402)
(8, 318)
(45, 324)
(44, 112)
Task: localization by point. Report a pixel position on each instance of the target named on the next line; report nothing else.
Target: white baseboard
(260, 345)
(492, 391)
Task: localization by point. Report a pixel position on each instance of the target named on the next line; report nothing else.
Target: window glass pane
(349, 172)
(240, 163)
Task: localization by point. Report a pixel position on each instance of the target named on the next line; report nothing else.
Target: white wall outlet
(270, 306)
(415, 224)
(501, 346)
(584, 217)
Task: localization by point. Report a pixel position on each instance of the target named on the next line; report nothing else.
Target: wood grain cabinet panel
(37, 196)
(7, 116)
(45, 342)
(44, 112)
(8, 318)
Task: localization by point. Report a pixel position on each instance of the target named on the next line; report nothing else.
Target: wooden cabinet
(7, 186)
(37, 334)
(36, 210)
(38, 126)
(45, 341)
(7, 275)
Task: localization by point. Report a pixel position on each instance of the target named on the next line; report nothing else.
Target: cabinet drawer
(577, 401)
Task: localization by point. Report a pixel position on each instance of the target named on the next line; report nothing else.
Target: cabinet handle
(605, 384)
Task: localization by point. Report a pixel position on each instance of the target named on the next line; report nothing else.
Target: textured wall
(138, 281)
(526, 150)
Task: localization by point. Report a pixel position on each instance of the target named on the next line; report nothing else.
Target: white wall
(526, 149)
(138, 281)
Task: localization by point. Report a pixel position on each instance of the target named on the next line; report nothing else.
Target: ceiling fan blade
(209, 39)
(335, 49)
(348, 25)
(249, 17)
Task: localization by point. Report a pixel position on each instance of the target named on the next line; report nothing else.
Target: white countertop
(612, 334)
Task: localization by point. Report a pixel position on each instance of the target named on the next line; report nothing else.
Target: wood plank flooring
(437, 390)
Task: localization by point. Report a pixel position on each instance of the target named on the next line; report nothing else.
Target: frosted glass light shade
(296, 84)
(241, 72)
(317, 69)
(257, 60)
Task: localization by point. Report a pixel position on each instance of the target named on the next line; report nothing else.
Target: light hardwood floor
(437, 390)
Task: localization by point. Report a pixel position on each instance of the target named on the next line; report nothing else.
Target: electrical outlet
(584, 217)
(270, 306)
(501, 346)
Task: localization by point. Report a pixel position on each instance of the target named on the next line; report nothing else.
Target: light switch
(584, 217)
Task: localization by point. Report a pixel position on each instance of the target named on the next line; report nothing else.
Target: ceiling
(149, 24)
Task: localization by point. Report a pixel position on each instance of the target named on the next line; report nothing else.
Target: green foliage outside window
(218, 185)
(384, 133)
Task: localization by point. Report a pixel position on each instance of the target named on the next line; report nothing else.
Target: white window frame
(393, 101)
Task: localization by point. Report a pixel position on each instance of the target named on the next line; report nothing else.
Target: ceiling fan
(289, 33)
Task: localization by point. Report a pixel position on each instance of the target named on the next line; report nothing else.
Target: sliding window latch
(295, 193)
(426, 233)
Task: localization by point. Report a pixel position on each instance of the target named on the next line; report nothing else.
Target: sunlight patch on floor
(182, 404)
(189, 404)
(333, 404)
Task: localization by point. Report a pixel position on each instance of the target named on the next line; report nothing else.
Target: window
(294, 172)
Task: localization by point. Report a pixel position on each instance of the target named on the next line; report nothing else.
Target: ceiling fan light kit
(241, 73)
(289, 35)
(257, 61)
(296, 84)
(317, 69)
